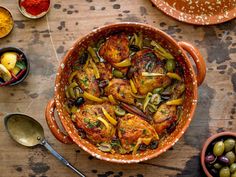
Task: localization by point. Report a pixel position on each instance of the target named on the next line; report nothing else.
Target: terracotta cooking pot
(178, 49)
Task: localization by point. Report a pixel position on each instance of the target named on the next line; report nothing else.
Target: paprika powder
(35, 7)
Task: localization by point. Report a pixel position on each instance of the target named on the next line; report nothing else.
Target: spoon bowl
(28, 132)
(24, 130)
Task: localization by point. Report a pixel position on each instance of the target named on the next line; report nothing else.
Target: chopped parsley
(163, 111)
(115, 143)
(85, 81)
(86, 120)
(91, 124)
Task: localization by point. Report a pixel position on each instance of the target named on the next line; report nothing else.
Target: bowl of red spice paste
(34, 8)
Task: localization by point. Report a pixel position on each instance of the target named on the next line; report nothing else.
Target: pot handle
(52, 124)
(198, 59)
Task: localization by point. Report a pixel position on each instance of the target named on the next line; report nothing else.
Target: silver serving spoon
(27, 131)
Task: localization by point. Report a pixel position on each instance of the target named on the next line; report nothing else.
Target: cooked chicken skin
(120, 89)
(96, 131)
(164, 117)
(146, 61)
(87, 81)
(115, 50)
(105, 71)
(131, 128)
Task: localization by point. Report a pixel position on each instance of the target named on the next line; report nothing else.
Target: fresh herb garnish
(85, 81)
(163, 111)
(21, 64)
(115, 143)
(86, 120)
(91, 124)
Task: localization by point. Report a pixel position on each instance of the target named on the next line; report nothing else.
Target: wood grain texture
(45, 42)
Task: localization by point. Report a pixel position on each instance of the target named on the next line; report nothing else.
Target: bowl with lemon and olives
(14, 66)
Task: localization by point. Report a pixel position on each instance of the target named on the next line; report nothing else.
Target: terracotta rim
(103, 156)
(193, 19)
(207, 143)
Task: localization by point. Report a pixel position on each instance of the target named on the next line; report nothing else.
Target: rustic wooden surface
(45, 42)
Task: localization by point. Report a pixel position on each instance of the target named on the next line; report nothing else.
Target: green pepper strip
(93, 54)
(140, 42)
(73, 74)
(131, 40)
(71, 89)
(146, 101)
(153, 107)
(136, 39)
(161, 50)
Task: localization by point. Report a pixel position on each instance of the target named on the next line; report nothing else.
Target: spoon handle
(59, 157)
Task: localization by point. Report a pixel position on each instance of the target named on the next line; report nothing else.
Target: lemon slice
(9, 59)
(4, 73)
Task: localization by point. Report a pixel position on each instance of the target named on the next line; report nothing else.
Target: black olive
(83, 58)
(134, 48)
(131, 72)
(103, 83)
(210, 158)
(82, 133)
(143, 147)
(70, 103)
(154, 144)
(79, 101)
(166, 92)
(223, 160)
(214, 172)
(179, 70)
(163, 97)
(171, 128)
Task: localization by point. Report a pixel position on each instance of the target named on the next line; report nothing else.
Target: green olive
(229, 144)
(170, 65)
(233, 168)
(217, 166)
(118, 74)
(233, 175)
(218, 148)
(231, 156)
(105, 147)
(224, 172)
(119, 111)
(158, 90)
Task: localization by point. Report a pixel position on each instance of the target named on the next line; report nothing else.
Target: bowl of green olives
(218, 155)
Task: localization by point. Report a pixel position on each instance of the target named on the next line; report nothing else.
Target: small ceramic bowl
(21, 76)
(207, 145)
(28, 15)
(11, 21)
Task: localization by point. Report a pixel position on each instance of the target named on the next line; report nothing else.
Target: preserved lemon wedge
(4, 73)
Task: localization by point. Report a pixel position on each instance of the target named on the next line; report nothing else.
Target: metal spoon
(27, 131)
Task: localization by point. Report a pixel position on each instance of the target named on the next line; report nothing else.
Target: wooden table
(45, 41)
